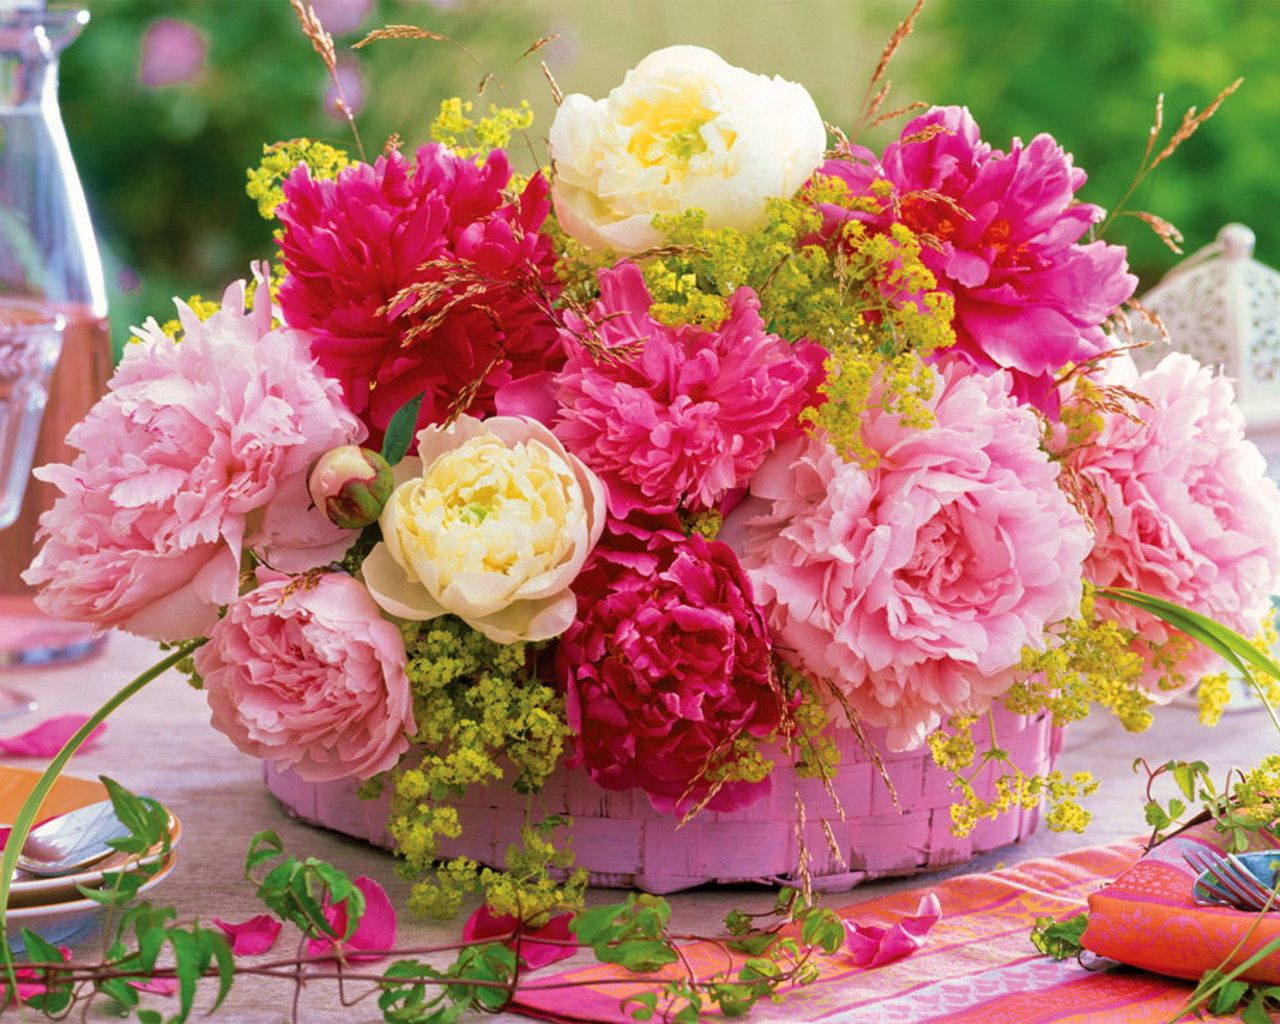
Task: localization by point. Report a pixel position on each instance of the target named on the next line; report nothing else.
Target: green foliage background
(164, 168)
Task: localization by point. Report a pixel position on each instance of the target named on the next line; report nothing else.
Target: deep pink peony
(353, 243)
(1028, 298)
(198, 451)
(1183, 508)
(913, 588)
(690, 417)
(667, 663)
(310, 677)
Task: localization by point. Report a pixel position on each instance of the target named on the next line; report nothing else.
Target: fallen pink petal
(377, 928)
(484, 924)
(872, 946)
(251, 937)
(28, 985)
(47, 738)
(157, 986)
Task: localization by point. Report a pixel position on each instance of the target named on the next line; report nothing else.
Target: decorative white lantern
(1222, 306)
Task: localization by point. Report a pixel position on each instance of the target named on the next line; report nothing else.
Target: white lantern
(1222, 306)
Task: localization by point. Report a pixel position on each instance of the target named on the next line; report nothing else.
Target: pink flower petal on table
(251, 937)
(30, 982)
(157, 986)
(47, 738)
(872, 946)
(377, 928)
(484, 923)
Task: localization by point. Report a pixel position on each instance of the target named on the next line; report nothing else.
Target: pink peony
(309, 676)
(352, 244)
(1183, 508)
(690, 417)
(198, 452)
(667, 663)
(1028, 298)
(913, 588)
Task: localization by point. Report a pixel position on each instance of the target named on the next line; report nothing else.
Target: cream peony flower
(684, 130)
(491, 523)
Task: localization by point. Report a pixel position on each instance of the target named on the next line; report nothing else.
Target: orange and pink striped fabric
(977, 966)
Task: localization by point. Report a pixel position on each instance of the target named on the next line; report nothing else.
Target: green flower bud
(350, 485)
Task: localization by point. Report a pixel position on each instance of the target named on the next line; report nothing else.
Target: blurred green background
(167, 102)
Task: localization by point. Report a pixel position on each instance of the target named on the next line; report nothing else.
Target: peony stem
(31, 806)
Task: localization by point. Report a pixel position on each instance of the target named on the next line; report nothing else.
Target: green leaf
(1059, 939)
(1155, 815)
(263, 847)
(597, 923)
(216, 945)
(150, 1017)
(39, 950)
(1256, 1011)
(189, 965)
(400, 430)
(646, 1005)
(1227, 998)
(752, 945)
(120, 991)
(1185, 774)
(1176, 807)
(640, 955)
(822, 928)
(52, 1002)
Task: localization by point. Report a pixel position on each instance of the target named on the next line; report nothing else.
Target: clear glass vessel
(49, 271)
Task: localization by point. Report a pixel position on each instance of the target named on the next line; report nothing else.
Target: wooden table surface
(161, 744)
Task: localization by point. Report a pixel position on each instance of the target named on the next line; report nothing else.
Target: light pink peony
(1183, 508)
(913, 588)
(310, 677)
(1029, 297)
(198, 451)
(694, 414)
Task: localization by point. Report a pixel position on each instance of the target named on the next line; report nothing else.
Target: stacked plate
(54, 908)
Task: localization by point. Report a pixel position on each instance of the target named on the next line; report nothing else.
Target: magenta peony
(350, 245)
(198, 451)
(1028, 298)
(911, 589)
(1183, 509)
(667, 664)
(308, 676)
(693, 414)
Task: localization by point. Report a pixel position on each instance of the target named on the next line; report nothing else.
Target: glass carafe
(49, 262)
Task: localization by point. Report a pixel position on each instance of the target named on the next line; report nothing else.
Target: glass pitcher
(48, 262)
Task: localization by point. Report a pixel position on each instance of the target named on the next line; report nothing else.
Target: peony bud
(351, 485)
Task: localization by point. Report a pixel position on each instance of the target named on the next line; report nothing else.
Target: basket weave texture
(623, 842)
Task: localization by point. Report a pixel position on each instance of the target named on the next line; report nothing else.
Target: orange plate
(67, 794)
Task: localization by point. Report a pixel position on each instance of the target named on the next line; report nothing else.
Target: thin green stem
(31, 806)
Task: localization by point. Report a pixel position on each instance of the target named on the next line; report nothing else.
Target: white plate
(58, 922)
(32, 890)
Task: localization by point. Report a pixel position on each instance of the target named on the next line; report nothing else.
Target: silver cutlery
(1227, 879)
(71, 841)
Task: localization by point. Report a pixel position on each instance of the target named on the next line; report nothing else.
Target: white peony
(684, 130)
(491, 523)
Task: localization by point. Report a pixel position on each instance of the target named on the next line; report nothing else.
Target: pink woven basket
(623, 842)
